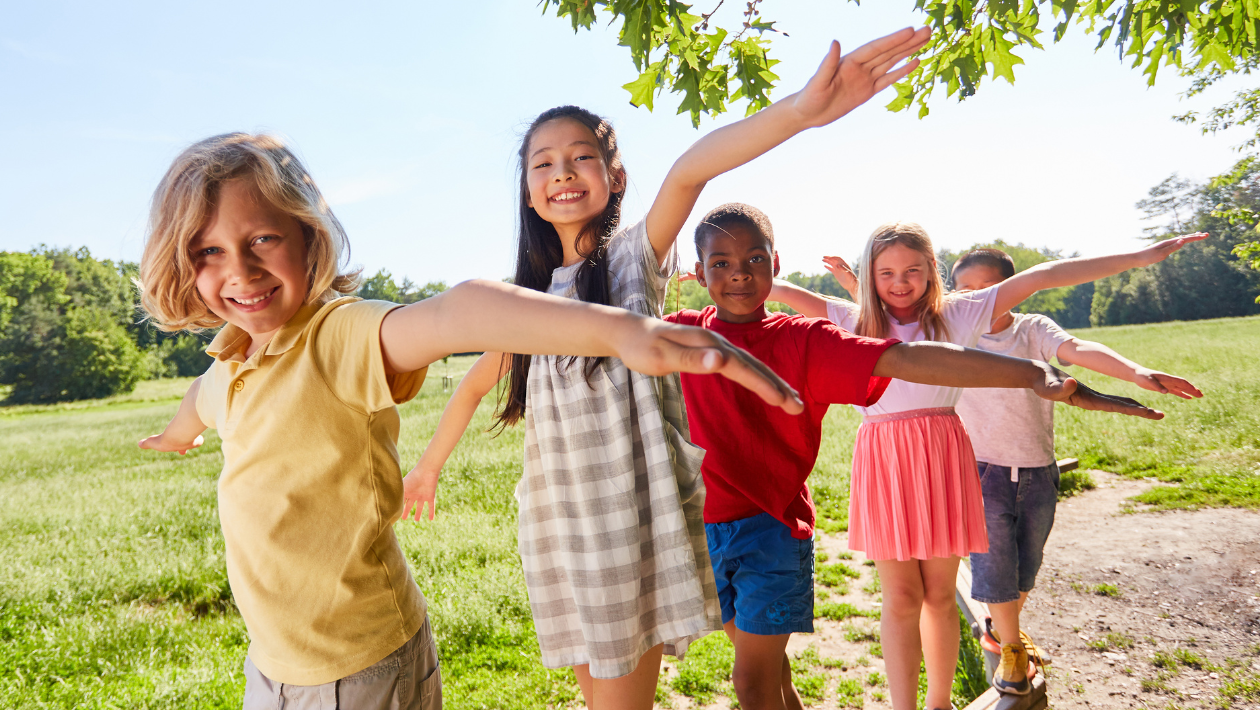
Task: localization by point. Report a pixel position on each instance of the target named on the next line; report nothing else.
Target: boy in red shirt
(757, 511)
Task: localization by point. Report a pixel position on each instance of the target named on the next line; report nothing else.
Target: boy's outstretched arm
(1100, 358)
(184, 431)
(1070, 272)
(841, 84)
(801, 300)
(492, 316)
(420, 484)
(949, 365)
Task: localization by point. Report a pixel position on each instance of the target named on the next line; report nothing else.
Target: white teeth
(567, 196)
(252, 301)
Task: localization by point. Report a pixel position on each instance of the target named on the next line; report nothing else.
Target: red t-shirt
(757, 457)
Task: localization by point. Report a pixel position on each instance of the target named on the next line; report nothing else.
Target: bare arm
(184, 431)
(420, 485)
(949, 365)
(841, 84)
(801, 300)
(1100, 358)
(1070, 272)
(491, 316)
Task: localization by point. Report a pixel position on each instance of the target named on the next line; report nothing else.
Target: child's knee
(940, 599)
(757, 682)
(902, 599)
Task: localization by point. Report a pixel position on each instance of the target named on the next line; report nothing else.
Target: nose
(564, 171)
(242, 267)
(741, 272)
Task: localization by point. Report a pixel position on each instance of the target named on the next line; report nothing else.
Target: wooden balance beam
(976, 612)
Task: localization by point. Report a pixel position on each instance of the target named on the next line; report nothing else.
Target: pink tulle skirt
(915, 492)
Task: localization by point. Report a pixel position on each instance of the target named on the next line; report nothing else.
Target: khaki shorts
(407, 679)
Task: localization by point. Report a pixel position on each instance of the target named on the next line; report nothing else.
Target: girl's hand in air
(1162, 250)
(667, 348)
(1058, 386)
(839, 268)
(1164, 383)
(842, 83)
(419, 488)
(160, 442)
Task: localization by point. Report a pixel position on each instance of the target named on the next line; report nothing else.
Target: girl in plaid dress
(612, 536)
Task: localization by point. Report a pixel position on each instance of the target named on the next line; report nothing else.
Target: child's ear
(699, 272)
(776, 263)
(617, 180)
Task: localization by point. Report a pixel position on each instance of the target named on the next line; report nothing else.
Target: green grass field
(113, 592)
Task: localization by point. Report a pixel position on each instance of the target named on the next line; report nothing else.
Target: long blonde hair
(873, 321)
(185, 200)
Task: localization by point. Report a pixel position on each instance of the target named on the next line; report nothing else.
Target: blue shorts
(1018, 515)
(765, 577)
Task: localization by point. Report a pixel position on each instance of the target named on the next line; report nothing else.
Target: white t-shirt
(968, 316)
(1014, 427)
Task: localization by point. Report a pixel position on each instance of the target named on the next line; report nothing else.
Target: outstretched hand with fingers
(677, 348)
(1164, 383)
(419, 489)
(844, 82)
(839, 268)
(1159, 251)
(1061, 387)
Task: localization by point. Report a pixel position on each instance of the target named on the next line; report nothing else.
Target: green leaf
(643, 89)
(905, 96)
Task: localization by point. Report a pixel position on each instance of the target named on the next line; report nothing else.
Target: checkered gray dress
(611, 504)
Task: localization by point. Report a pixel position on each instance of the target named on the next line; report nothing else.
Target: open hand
(1164, 383)
(159, 442)
(679, 348)
(839, 268)
(842, 83)
(419, 488)
(1061, 387)
(1162, 250)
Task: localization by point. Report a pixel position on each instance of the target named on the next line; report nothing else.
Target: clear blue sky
(407, 115)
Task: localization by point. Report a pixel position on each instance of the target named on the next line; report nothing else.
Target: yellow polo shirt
(310, 489)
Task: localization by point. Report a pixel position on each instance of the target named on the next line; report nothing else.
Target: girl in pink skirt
(915, 504)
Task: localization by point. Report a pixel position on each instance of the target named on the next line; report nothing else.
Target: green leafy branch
(690, 59)
(974, 40)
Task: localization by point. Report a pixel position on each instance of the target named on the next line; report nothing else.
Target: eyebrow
(547, 147)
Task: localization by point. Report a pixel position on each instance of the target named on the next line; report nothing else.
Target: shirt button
(240, 385)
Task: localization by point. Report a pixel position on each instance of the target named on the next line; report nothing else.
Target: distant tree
(381, 287)
(63, 331)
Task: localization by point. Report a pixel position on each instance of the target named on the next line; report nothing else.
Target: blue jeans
(1019, 515)
(765, 577)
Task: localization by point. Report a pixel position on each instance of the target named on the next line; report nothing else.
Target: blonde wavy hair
(873, 321)
(185, 200)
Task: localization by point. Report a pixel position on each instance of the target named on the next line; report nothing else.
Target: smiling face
(901, 279)
(738, 270)
(251, 263)
(567, 176)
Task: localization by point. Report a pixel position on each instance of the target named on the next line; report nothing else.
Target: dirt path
(1187, 580)
(1181, 630)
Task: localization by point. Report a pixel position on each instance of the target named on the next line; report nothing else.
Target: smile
(253, 301)
(568, 196)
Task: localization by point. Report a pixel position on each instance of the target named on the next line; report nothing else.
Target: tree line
(71, 327)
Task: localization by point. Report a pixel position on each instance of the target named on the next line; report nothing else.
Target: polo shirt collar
(231, 340)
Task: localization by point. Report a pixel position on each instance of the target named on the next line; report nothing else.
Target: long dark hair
(539, 252)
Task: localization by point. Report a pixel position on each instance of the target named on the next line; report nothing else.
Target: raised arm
(420, 485)
(184, 431)
(1100, 358)
(841, 84)
(949, 365)
(1070, 272)
(801, 300)
(493, 316)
